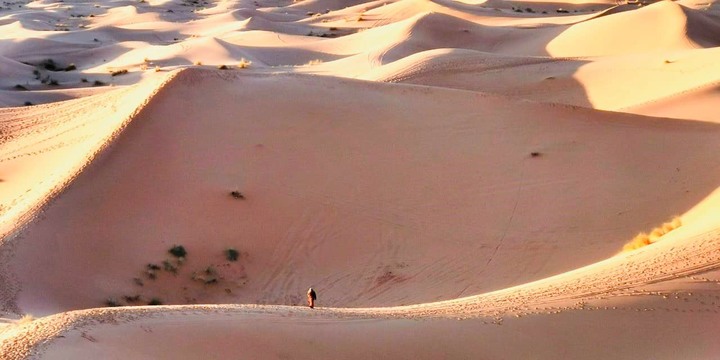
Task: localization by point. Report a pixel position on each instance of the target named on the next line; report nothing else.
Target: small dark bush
(19, 87)
(119, 72)
(535, 154)
(223, 67)
(138, 281)
(232, 254)
(84, 80)
(153, 267)
(27, 103)
(168, 266)
(98, 83)
(53, 82)
(178, 251)
(238, 195)
(48, 64)
(111, 302)
(131, 299)
(71, 67)
(155, 301)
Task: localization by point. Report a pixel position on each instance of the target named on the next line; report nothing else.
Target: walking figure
(311, 298)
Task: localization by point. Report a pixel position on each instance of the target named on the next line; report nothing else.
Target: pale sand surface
(400, 184)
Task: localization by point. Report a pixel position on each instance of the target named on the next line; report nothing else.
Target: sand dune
(459, 182)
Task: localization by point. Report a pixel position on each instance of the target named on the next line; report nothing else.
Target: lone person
(311, 298)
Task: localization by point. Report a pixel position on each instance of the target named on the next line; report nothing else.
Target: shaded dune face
(403, 195)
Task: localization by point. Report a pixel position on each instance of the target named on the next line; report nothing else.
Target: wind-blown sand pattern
(456, 179)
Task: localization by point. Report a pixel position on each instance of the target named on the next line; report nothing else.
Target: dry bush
(243, 64)
(643, 239)
(27, 318)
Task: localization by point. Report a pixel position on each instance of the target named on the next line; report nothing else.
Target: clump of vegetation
(131, 299)
(155, 301)
(151, 271)
(98, 83)
(19, 87)
(27, 103)
(53, 82)
(71, 67)
(207, 276)
(118, 72)
(27, 318)
(169, 266)
(178, 251)
(48, 64)
(222, 67)
(244, 64)
(198, 63)
(138, 282)
(644, 239)
(112, 302)
(237, 195)
(535, 154)
(84, 80)
(231, 254)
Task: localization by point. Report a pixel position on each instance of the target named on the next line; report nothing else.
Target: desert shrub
(232, 254)
(223, 67)
(84, 80)
(244, 64)
(27, 103)
(98, 83)
(71, 67)
(155, 301)
(118, 72)
(237, 195)
(131, 299)
(644, 239)
(48, 64)
(19, 87)
(534, 154)
(27, 318)
(112, 302)
(168, 266)
(178, 251)
(53, 82)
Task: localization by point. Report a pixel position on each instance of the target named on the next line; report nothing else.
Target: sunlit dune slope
(379, 194)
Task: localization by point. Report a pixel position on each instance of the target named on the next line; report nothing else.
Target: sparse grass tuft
(314, 62)
(231, 254)
(118, 72)
(178, 251)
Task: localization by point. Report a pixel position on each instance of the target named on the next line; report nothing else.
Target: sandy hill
(460, 181)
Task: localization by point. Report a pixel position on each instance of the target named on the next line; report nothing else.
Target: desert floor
(456, 179)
